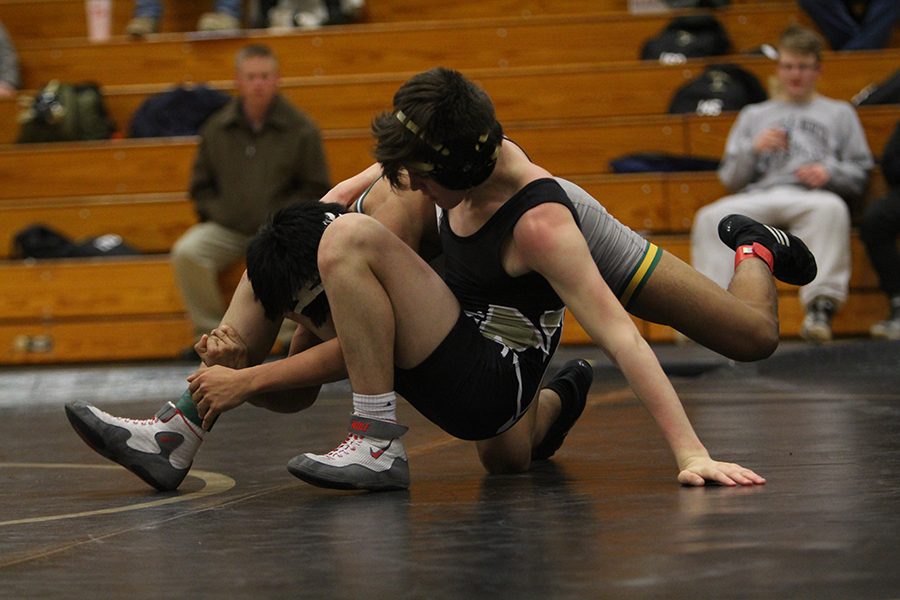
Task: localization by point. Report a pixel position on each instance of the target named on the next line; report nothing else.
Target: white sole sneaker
(371, 457)
(815, 331)
(886, 330)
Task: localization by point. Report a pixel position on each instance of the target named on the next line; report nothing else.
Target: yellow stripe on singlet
(641, 274)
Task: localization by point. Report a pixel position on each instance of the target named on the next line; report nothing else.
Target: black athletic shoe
(793, 262)
(572, 384)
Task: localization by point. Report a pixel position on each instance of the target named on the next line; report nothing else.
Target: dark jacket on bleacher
(240, 176)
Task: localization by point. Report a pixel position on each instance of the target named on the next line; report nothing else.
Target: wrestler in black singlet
(483, 376)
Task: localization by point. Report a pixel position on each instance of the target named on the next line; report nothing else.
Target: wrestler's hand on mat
(217, 389)
(699, 470)
(222, 346)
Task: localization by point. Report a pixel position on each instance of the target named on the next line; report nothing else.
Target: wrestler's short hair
(282, 258)
(442, 126)
(801, 40)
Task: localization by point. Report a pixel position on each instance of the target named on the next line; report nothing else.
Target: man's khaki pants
(198, 258)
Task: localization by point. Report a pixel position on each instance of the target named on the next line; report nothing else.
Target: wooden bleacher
(413, 10)
(382, 47)
(149, 222)
(162, 165)
(90, 309)
(56, 19)
(655, 203)
(552, 98)
(707, 135)
(590, 90)
(50, 19)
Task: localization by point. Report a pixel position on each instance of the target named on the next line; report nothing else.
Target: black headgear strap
(310, 300)
(457, 164)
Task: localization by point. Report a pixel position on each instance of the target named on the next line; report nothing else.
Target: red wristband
(756, 250)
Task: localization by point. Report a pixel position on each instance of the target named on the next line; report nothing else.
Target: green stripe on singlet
(641, 274)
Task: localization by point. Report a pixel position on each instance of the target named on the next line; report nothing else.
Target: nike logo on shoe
(377, 454)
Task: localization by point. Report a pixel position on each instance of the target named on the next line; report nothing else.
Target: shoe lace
(150, 421)
(350, 444)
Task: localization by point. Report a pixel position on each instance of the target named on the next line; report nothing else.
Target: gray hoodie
(822, 130)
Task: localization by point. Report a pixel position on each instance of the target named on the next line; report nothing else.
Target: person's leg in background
(879, 230)
(226, 15)
(846, 32)
(822, 220)
(877, 25)
(145, 19)
(198, 258)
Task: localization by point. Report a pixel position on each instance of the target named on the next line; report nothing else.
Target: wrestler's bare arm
(292, 384)
(546, 240)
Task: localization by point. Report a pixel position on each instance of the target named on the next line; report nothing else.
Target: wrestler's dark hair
(282, 258)
(443, 120)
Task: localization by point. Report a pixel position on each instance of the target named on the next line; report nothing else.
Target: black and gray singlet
(484, 375)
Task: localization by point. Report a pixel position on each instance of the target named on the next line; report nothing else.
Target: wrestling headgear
(311, 290)
(457, 164)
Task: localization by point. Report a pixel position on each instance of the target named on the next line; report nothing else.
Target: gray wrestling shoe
(372, 457)
(158, 450)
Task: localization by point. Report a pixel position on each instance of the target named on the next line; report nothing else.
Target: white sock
(379, 406)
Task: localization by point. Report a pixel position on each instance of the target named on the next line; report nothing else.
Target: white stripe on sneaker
(780, 236)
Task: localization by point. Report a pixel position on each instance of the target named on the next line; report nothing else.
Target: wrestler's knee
(760, 342)
(347, 239)
(498, 460)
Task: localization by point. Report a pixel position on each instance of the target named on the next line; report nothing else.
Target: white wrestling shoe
(159, 450)
(372, 457)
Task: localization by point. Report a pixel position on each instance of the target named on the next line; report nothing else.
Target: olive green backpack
(65, 112)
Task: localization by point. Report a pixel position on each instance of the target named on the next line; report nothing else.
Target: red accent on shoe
(359, 426)
(756, 250)
(377, 455)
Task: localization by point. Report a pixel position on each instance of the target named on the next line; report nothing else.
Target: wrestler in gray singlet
(624, 258)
